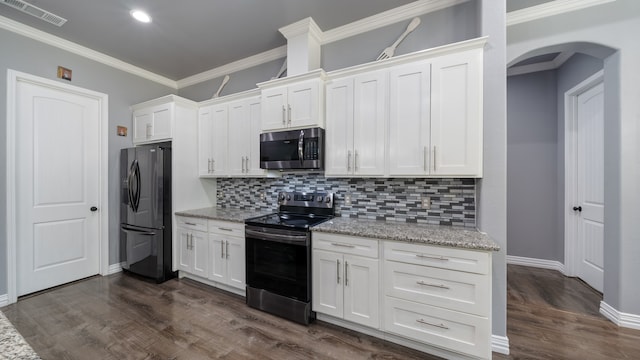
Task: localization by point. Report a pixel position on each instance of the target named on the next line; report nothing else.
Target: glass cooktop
(300, 221)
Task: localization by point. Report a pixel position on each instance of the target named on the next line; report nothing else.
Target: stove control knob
(319, 199)
(288, 197)
(281, 197)
(327, 199)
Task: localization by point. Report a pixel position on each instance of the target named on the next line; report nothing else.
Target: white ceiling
(190, 36)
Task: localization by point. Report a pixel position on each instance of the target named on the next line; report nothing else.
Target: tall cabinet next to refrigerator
(145, 211)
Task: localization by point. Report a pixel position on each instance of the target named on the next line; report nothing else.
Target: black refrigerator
(145, 211)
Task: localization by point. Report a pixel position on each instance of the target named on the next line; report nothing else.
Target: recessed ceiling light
(140, 16)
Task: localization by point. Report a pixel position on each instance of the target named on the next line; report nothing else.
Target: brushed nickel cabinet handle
(355, 161)
(227, 250)
(225, 229)
(343, 245)
(289, 113)
(188, 223)
(441, 325)
(441, 258)
(149, 130)
(222, 249)
(349, 160)
(284, 115)
(426, 156)
(434, 158)
(441, 286)
(346, 273)
(338, 271)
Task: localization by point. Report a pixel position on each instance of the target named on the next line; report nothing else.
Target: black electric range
(278, 255)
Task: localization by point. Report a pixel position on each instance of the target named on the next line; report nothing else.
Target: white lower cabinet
(213, 251)
(432, 296)
(227, 254)
(346, 284)
(193, 246)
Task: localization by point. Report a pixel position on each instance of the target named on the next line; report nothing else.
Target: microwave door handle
(301, 147)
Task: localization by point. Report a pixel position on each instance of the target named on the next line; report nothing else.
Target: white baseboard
(114, 268)
(4, 300)
(631, 321)
(538, 263)
(500, 344)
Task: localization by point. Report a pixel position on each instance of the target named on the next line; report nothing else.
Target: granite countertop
(409, 232)
(224, 214)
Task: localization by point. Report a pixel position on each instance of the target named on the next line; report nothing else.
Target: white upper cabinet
(153, 123)
(229, 138)
(415, 115)
(292, 103)
(356, 125)
(456, 114)
(409, 119)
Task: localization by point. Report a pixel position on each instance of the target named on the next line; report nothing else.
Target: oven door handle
(287, 239)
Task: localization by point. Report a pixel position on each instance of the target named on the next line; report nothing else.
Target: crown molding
(388, 17)
(550, 8)
(557, 62)
(304, 26)
(38, 35)
(251, 61)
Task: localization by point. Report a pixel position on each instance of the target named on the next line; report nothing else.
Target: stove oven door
(279, 261)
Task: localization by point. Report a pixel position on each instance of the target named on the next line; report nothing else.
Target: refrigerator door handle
(126, 228)
(130, 186)
(138, 183)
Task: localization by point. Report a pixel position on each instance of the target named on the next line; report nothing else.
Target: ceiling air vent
(35, 11)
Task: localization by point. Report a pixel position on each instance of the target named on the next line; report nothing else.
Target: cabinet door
(409, 119)
(274, 108)
(303, 108)
(252, 140)
(327, 282)
(219, 148)
(361, 291)
(339, 140)
(184, 250)
(205, 140)
(217, 260)
(200, 253)
(369, 123)
(456, 114)
(162, 122)
(234, 250)
(142, 125)
(238, 132)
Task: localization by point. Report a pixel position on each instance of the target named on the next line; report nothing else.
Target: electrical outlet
(263, 196)
(347, 199)
(426, 202)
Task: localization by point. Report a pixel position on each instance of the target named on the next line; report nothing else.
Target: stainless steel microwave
(301, 149)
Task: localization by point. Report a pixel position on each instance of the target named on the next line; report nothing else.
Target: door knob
(93, 208)
(577, 208)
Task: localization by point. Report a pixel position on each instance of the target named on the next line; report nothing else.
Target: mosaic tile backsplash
(452, 200)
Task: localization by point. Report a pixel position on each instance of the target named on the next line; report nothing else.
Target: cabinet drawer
(191, 223)
(449, 289)
(437, 256)
(345, 244)
(226, 228)
(455, 331)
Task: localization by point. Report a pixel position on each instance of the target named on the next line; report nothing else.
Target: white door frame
(571, 257)
(13, 78)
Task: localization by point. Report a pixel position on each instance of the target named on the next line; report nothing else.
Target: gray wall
(532, 183)
(535, 178)
(442, 27)
(492, 188)
(29, 56)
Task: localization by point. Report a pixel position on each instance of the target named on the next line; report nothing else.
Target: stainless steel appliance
(301, 149)
(145, 211)
(278, 255)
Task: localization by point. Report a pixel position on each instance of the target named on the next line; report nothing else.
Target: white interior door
(57, 183)
(589, 206)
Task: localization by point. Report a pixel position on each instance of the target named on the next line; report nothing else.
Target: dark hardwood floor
(549, 316)
(121, 317)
